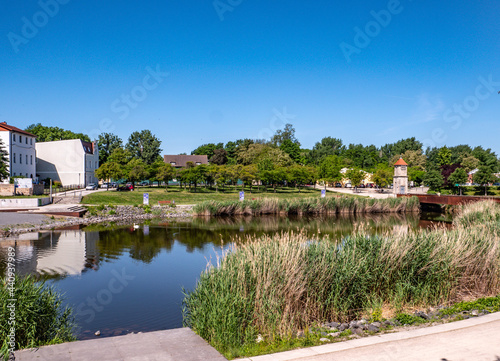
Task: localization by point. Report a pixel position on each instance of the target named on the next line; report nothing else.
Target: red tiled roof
(400, 162)
(5, 127)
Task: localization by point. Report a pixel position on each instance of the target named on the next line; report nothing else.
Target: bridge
(449, 200)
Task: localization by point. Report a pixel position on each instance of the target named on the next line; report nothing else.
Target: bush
(39, 316)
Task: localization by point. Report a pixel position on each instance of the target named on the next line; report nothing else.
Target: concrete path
(12, 218)
(475, 339)
(372, 193)
(170, 345)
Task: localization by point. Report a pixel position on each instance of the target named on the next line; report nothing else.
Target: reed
(40, 318)
(330, 205)
(276, 285)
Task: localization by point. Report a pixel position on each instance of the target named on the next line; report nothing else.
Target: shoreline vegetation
(300, 206)
(40, 318)
(274, 288)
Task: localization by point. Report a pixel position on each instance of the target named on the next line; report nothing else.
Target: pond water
(122, 279)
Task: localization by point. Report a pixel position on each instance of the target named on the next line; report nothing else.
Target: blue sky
(370, 72)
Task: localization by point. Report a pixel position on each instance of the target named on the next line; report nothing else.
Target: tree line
(282, 160)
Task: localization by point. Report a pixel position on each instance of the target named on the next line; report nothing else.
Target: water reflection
(159, 257)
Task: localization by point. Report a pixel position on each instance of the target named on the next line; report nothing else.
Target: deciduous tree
(144, 145)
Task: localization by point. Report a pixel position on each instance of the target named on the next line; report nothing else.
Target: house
(20, 146)
(180, 161)
(470, 175)
(71, 162)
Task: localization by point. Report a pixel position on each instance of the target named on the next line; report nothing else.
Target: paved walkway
(180, 344)
(372, 193)
(475, 339)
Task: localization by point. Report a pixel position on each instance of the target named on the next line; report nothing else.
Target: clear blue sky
(231, 69)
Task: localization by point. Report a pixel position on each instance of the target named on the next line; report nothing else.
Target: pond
(122, 279)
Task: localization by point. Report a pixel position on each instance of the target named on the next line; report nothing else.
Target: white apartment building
(71, 162)
(21, 148)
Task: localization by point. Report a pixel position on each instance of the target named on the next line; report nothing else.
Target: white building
(20, 146)
(71, 162)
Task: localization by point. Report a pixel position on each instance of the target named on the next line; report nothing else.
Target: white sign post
(323, 193)
(242, 196)
(145, 199)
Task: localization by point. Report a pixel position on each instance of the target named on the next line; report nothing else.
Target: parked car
(144, 183)
(338, 185)
(361, 186)
(125, 188)
(348, 185)
(91, 187)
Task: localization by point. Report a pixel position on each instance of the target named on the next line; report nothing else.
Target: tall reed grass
(330, 205)
(40, 318)
(276, 285)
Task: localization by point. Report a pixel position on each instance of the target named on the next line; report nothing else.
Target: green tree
(166, 173)
(434, 179)
(389, 150)
(416, 175)
(207, 149)
(355, 176)
(288, 133)
(329, 169)
(4, 162)
(120, 156)
(469, 163)
(107, 143)
(248, 174)
(327, 146)
(414, 159)
(108, 170)
(292, 149)
(48, 134)
(219, 157)
(484, 176)
(299, 175)
(457, 178)
(137, 170)
(444, 156)
(383, 175)
(144, 145)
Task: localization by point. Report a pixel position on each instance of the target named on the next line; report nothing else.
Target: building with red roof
(21, 150)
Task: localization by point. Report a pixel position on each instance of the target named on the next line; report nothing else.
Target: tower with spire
(400, 181)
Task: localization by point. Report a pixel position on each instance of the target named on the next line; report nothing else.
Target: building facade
(71, 162)
(21, 149)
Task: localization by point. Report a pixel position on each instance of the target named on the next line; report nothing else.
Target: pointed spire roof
(400, 162)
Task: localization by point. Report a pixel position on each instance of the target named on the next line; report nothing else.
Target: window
(14, 157)
(20, 159)
(31, 159)
(172, 163)
(95, 165)
(20, 139)
(13, 137)
(31, 141)
(26, 143)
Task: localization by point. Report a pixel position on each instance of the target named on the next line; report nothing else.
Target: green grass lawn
(181, 196)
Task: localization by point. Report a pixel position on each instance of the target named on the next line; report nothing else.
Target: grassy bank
(275, 286)
(183, 196)
(330, 205)
(39, 316)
